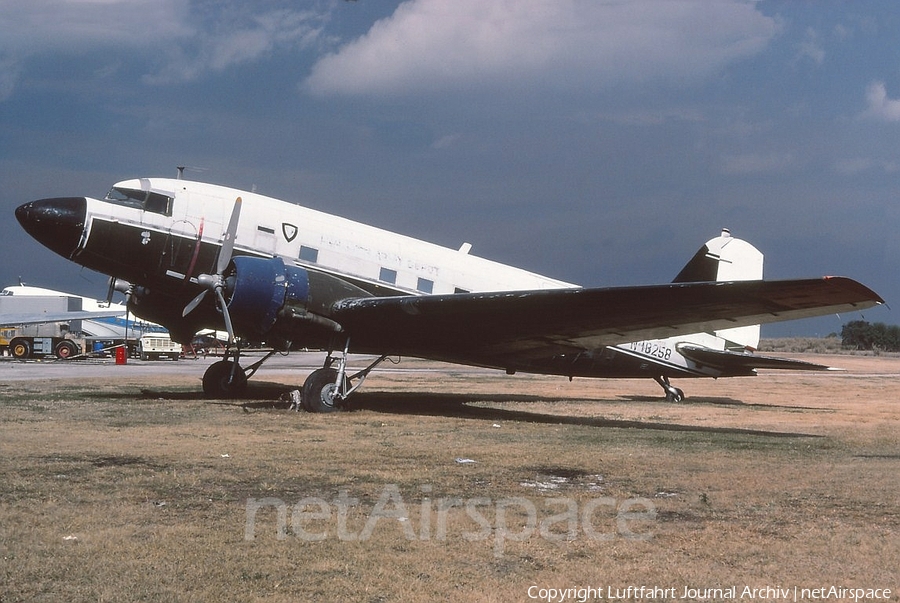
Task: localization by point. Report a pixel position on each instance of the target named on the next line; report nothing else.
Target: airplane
(192, 255)
(18, 307)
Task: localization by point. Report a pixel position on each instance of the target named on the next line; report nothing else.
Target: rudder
(726, 258)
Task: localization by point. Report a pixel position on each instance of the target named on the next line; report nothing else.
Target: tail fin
(726, 258)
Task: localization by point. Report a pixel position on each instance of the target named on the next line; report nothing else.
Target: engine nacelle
(263, 291)
(260, 289)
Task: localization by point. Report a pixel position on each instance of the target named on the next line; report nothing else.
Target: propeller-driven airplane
(18, 309)
(193, 256)
(100, 318)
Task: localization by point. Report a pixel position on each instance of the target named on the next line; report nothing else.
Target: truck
(36, 322)
(48, 339)
(154, 346)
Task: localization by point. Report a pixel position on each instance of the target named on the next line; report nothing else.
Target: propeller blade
(111, 291)
(228, 242)
(216, 282)
(229, 327)
(192, 305)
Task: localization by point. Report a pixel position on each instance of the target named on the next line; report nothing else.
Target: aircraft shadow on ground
(261, 395)
(462, 406)
(721, 401)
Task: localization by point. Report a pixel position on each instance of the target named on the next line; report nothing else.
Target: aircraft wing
(511, 329)
(15, 320)
(743, 364)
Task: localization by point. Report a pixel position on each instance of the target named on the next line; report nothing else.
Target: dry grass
(135, 489)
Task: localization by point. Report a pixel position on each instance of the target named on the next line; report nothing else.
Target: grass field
(450, 484)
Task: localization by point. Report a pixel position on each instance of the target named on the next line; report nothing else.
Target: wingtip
(864, 292)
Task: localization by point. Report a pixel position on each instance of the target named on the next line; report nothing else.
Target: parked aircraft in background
(21, 305)
(99, 318)
(193, 256)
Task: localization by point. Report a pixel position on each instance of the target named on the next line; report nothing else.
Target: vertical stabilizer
(726, 258)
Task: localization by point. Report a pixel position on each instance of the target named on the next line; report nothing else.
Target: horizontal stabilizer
(737, 363)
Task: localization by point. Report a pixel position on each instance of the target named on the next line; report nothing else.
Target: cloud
(881, 107)
(810, 48)
(238, 38)
(9, 74)
(757, 163)
(43, 26)
(855, 166)
(434, 45)
(183, 40)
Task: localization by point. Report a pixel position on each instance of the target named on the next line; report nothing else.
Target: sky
(600, 142)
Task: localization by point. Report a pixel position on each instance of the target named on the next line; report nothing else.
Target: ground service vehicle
(50, 339)
(158, 345)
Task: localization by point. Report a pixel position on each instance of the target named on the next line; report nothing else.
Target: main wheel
(319, 393)
(20, 348)
(676, 394)
(218, 381)
(65, 349)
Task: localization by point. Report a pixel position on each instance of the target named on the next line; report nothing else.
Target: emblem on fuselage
(289, 231)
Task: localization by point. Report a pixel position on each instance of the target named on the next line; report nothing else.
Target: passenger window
(425, 286)
(387, 275)
(309, 254)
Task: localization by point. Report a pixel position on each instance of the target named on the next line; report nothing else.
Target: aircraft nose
(56, 223)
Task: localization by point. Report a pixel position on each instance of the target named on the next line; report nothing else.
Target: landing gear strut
(327, 389)
(673, 394)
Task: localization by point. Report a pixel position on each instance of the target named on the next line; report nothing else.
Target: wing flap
(740, 364)
(536, 324)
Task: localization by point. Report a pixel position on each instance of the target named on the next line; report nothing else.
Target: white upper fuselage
(314, 239)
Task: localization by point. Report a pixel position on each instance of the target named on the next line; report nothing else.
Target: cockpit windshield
(138, 199)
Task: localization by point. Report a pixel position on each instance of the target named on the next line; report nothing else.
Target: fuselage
(183, 214)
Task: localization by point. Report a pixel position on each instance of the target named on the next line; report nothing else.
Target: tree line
(862, 335)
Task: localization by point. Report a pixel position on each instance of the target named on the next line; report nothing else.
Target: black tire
(20, 348)
(217, 381)
(318, 393)
(65, 349)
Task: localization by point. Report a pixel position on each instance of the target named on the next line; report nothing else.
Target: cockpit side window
(138, 199)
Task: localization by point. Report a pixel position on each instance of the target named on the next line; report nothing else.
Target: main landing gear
(673, 394)
(327, 389)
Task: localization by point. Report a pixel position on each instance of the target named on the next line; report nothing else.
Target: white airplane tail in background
(726, 258)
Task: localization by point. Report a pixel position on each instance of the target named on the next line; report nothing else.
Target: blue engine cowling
(260, 289)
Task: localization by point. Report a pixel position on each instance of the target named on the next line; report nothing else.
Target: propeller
(216, 282)
(126, 289)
